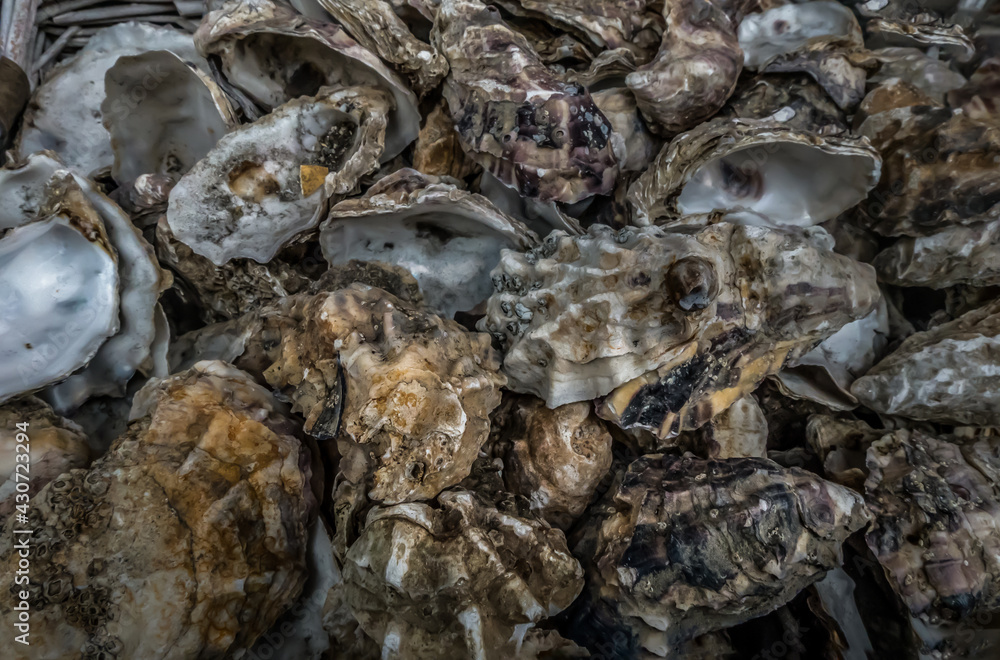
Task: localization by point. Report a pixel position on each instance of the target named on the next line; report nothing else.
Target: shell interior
(786, 29)
(60, 297)
(785, 183)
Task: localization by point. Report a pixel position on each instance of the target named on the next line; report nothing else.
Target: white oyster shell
(274, 55)
(755, 172)
(140, 280)
(59, 291)
(449, 239)
(64, 114)
(787, 29)
(265, 182)
(826, 373)
(168, 128)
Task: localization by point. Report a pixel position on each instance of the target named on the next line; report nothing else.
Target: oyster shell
(979, 96)
(696, 68)
(64, 114)
(740, 431)
(935, 504)
(56, 445)
(168, 128)
(606, 24)
(938, 170)
(448, 238)
(377, 27)
(438, 151)
(815, 37)
(755, 172)
(276, 55)
(534, 132)
(962, 254)
(59, 290)
(187, 538)
(947, 374)
(684, 546)
(140, 279)
(268, 181)
(826, 373)
(841, 445)
(634, 146)
(930, 75)
(555, 458)
(460, 580)
(673, 327)
(406, 393)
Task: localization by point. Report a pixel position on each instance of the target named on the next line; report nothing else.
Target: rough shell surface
(56, 445)
(463, 580)
(696, 68)
(685, 546)
(413, 409)
(675, 327)
(947, 374)
(961, 254)
(537, 134)
(555, 458)
(188, 537)
(934, 501)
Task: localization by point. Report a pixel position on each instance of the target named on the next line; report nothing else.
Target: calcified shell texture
(499, 330)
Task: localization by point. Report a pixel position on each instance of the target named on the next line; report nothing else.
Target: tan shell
(188, 537)
(456, 582)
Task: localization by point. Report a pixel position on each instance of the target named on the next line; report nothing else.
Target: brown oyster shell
(406, 394)
(696, 68)
(672, 327)
(607, 24)
(188, 537)
(934, 532)
(767, 97)
(535, 133)
(555, 458)
(962, 254)
(638, 146)
(462, 580)
(938, 170)
(979, 97)
(725, 164)
(438, 150)
(56, 445)
(841, 445)
(947, 374)
(685, 546)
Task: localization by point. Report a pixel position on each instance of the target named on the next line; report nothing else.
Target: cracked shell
(56, 444)
(755, 172)
(186, 539)
(406, 394)
(64, 114)
(673, 327)
(537, 134)
(684, 546)
(448, 238)
(266, 182)
(947, 374)
(934, 501)
(460, 581)
(158, 134)
(275, 55)
(696, 68)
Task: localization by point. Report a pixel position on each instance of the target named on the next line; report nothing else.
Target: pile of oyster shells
(462, 329)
